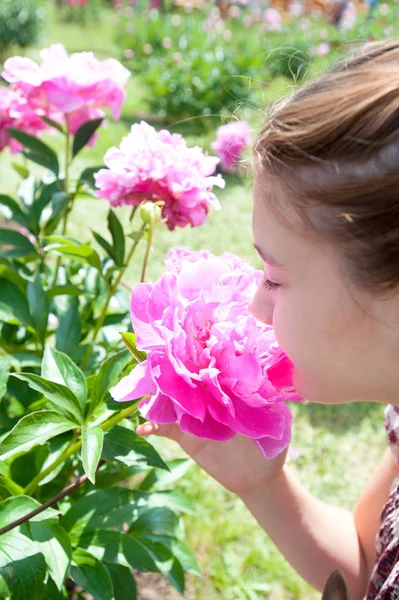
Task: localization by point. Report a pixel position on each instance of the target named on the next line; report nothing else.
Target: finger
(171, 431)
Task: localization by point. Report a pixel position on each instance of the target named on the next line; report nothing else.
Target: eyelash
(270, 285)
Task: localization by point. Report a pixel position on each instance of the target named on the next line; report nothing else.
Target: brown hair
(333, 147)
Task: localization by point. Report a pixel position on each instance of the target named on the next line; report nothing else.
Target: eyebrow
(266, 257)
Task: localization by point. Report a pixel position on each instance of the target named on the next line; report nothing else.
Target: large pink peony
(210, 365)
(16, 113)
(231, 141)
(69, 85)
(157, 165)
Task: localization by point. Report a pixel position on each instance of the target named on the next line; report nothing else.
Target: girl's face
(344, 342)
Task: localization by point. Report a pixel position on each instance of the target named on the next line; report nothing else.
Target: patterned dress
(384, 580)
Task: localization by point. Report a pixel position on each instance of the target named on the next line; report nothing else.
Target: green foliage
(20, 23)
(63, 440)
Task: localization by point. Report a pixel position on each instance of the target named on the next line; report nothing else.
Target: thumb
(171, 431)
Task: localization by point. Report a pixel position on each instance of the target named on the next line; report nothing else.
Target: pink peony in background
(78, 85)
(157, 165)
(231, 141)
(16, 112)
(210, 366)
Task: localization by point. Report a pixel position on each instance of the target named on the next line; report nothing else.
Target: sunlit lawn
(334, 448)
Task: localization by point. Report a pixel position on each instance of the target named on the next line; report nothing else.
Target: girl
(326, 224)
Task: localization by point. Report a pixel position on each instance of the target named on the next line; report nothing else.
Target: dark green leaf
(125, 446)
(59, 368)
(59, 203)
(118, 237)
(166, 562)
(129, 340)
(22, 567)
(64, 290)
(107, 377)
(87, 176)
(183, 554)
(53, 542)
(84, 254)
(57, 446)
(40, 150)
(91, 575)
(13, 304)
(13, 509)
(27, 465)
(156, 480)
(104, 244)
(5, 366)
(52, 593)
(123, 581)
(39, 305)
(69, 331)
(33, 430)
(83, 135)
(159, 519)
(17, 214)
(92, 445)
(60, 397)
(15, 244)
(41, 200)
(53, 124)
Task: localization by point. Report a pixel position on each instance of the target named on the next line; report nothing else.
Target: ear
(335, 588)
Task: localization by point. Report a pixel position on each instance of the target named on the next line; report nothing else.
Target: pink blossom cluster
(158, 166)
(77, 2)
(231, 141)
(16, 113)
(210, 366)
(71, 88)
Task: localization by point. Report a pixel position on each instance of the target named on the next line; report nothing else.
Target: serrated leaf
(118, 237)
(59, 368)
(129, 340)
(22, 566)
(17, 214)
(107, 377)
(123, 582)
(91, 575)
(40, 151)
(33, 430)
(92, 444)
(15, 244)
(13, 304)
(83, 135)
(125, 446)
(39, 306)
(53, 542)
(59, 396)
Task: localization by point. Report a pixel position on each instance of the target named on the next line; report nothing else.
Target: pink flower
(322, 49)
(273, 19)
(68, 84)
(16, 112)
(231, 141)
(158, 166)
(210, 366)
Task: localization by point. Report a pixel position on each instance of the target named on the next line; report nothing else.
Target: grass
(334, 448)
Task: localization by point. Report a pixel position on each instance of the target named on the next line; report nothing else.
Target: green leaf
(88, 572)
(83, 135)
(87, 176)
(22, 567)
(129, 340)
(5, 366)
(17, 244)
(39, 305)
(13, 509)
(92, 445)
(183, 554)
(118, 548)
(156, 520)
(17, 214)
(68, 333)
(84, 254)
(33, 430)
(118, 237)
(123, 582)
(14, 306)
(41, 153)
(53, 124)
(64, 290)
(107, 377)
(53, 542)
(165, 560)
(57, 445)
(59, 368)
(60, 397)
(104, 244)
(59, 203)
(156, 480)
(12, 488)
(21, 170)
(125, 446)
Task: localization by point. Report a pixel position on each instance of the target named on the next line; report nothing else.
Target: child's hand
(237, 464)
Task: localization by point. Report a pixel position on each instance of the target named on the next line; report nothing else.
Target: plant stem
(103, 314)
(66, 186)
(147, 252)
(75, 447)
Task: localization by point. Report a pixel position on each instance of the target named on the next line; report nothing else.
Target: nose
(262, 306)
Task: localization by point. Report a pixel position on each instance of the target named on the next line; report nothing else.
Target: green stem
(147, 252)
(66, 186)
(75, 447)
(103, 314)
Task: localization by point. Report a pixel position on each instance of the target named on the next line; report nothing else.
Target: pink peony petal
(135, 385)
(159, 408)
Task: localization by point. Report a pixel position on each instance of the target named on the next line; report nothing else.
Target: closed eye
(270, 285)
